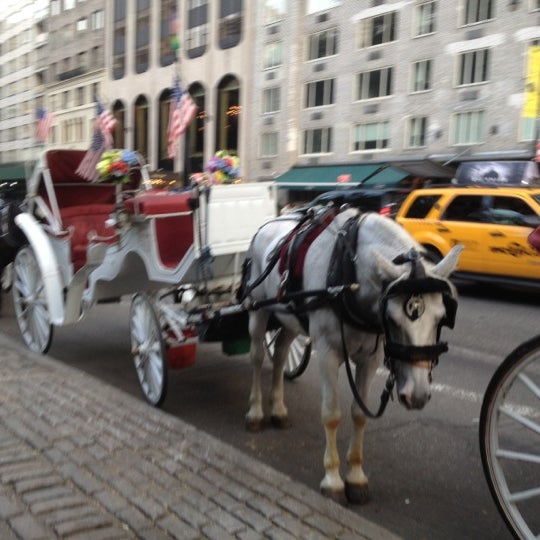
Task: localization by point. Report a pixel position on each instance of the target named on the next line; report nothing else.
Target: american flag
(101, 140)
(44, 123)
(182, 112)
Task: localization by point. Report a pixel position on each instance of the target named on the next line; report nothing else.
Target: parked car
(492, 223)
(383, 201)
(11, 197)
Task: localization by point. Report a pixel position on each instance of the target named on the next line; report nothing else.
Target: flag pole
(175, 46)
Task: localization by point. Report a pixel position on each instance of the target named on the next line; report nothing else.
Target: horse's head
(417, 300)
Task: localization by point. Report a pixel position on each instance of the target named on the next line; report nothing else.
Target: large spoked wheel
(30, 303)
(510, 439)
(298, 357)
(148, 349)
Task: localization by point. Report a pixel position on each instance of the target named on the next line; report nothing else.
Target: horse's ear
(445, 267)
(387, 270)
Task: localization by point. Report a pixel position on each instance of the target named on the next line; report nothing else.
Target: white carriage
(178, 253)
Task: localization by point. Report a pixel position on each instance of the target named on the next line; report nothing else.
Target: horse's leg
(331, 485)
(279, 415)
(258, 321)
(356, 482)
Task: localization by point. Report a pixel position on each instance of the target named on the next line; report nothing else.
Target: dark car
(11, 196)
(384, 201)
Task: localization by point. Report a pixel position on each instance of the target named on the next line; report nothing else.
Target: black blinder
(450, 303)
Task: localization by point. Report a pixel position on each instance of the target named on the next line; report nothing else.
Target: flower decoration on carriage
(224, 168)
(115, 165)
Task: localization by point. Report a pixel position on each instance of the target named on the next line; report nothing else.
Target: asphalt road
(424, 467)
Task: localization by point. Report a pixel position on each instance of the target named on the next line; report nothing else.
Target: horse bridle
(413, 288)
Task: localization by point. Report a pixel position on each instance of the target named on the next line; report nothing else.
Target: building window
(374, 136)
(142, 36)
(378, 30)
(119, 39)
(141, 126)
(317, 141)
(313, 6)
(374, 84)
(425, 18)
(274, 10)
(230, 23)
(528, 129)
(421, 76)
(473, 67)
(323, 44)
(82, 25)
(468, 127)
(197, 129)
(197, 29)
(228, 115)
(55, 7)
(119, 113)
(197, 39)
(478, 11)
(80, 96)
(319, 93)
(169, 22)
(69, 4)
(416, 132)
(98, 20)
(273, 54)
(271, 100)
(269, 144)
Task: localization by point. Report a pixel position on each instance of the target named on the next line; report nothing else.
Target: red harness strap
(294, 250)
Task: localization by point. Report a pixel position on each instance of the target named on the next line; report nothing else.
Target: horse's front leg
(258, 321)
(356, 482)
(331, 485)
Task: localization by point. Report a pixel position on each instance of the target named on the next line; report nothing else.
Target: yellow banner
(532, 86)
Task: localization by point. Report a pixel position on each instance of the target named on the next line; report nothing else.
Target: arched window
(119, 112)
(196, 131)
(228, 113)
(140, 126)
(164, 162)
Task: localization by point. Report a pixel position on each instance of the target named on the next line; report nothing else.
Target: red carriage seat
(172, 221)
(84, 206)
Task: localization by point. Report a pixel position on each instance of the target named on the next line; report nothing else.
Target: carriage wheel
(510, 439)
(298, 356)
(30, 302)
(148, 349)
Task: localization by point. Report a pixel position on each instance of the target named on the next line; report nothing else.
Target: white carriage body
(96, 241)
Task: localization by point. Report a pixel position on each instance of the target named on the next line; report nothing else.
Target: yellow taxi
(492, 223)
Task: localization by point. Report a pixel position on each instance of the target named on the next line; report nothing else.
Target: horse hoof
(280, 422)
(254, 426)
(336, 495)
(357, 493)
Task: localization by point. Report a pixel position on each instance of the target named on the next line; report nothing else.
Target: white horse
(395, 314)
